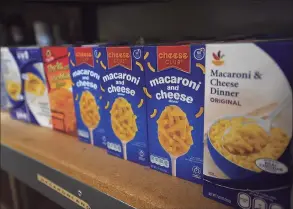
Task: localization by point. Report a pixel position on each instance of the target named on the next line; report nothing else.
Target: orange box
(56, 65)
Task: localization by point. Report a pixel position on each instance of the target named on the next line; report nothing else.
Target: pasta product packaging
(248, 124)
(26, 86)
(175, 108)
(123, 82)
(87, 96)
(56, 65)
(5, 103)
(11, 72)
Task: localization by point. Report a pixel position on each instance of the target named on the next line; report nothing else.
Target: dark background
(87, 21)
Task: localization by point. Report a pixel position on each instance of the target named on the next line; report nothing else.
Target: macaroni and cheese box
(175, 90)
(11, 67)
(125, 103)
(56, 65)
(248, 124)
(26, 85)
(87, 96)
(5, 102)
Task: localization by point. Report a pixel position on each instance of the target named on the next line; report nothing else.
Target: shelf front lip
(119, 180)
(28, 170)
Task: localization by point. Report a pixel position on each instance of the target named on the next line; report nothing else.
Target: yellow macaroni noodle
(89, 110)
(174, 131)
(151, 67)
(34, 85)
(123, 120)
(13, 89)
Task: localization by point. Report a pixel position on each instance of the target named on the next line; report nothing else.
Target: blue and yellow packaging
(248, 124)
(26, 85)
(123, 80)
(175, 90)
(87, 96)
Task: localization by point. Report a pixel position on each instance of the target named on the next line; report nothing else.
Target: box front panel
(175, 86)
(125, 102)
(248, 124)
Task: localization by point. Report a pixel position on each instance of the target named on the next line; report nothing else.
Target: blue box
(5, 103)
(88, 101)
(248, 124)
(24, 71)
(175, 87)
(123, 80)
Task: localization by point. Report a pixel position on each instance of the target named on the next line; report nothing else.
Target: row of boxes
(216, 112)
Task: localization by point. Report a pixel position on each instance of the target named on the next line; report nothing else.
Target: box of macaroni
(4, 59)
(123, 80)
(26, 86)
(87, 96)
(248, 124)
(175, 108)
(56, 65)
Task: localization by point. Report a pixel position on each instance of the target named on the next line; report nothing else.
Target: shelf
(70, 173)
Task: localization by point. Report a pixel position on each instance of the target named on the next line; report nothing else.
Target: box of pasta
(175, 107)
(56, 65)
(248, 124)
(87, 96)
(122, 76)
(11, 70)
(6, 85)
(26, 85)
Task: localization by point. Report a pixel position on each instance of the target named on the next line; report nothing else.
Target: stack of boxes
(217, 114)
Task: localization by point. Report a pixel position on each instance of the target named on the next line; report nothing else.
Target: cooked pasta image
(61, 100)
(34, 85)
(89, 110)
(13, 89)
(123, 120)
(242, 141)
(174, 131)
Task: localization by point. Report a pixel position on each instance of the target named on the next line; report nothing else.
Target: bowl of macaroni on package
(123, 84)
(56, 65)
(87, 96)
(248, 124)
(175, 91)
(237, 142)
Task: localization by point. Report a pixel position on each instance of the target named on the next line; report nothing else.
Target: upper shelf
(92, 1)
(113, 182)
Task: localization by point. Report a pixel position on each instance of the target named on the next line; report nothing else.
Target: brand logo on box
(49, 56)
(119, 56)
(23, 55)
(84, 55)
(177, 57)
(21, 115)
(218, 58)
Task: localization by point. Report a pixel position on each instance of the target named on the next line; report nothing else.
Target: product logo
(22, 55)
(119, 56)
(137, 54)
(218, 58)
(196, 172)
(177, 57)
(49, 56)
(58, 66)
(199, 54)
(84, 55)
(21, 115)
(141, 153)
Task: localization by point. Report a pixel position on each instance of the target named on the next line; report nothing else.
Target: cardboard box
(125, 102)
(56, 65)
(87, 95)
(248, 124)
(175, 89)
(26, 85)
